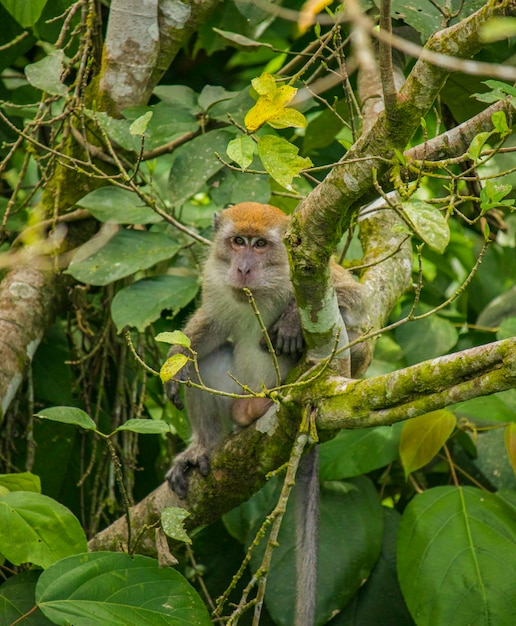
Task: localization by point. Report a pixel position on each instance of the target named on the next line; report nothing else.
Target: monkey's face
(257, 262)
(249, 244)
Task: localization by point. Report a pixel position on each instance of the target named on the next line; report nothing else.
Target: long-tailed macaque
(248, 252)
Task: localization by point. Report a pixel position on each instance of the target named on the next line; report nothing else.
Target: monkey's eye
(239, 241)
(260, 243)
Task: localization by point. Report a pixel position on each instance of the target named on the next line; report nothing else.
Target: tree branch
(240, 463)
(29, 301)
(418, 389)
(320, 220)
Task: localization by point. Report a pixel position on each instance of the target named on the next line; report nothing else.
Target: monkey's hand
(285, 334)
(173, 385)
(194, 456)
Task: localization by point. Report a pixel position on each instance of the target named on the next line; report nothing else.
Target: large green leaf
(356, 452)
(500, 407)
(350, 542)
(17, 600)
(100, 588)
(25, 12)
(127, 252)
(119, 206)
(142, 303)
(457, 558)
(233, 187)
(195, 163)
(426, 338)
(21, 481)
(380, 602)
(36, 529)
(426, 17)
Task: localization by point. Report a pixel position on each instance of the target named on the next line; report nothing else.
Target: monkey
(248, 252)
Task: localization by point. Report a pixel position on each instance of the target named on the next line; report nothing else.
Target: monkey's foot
(177, 476)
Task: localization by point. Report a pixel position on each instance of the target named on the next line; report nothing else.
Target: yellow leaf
(271, 105)
(172, 366)
(288, 118)
(422, 437)
(510, 444)
(264, 85)
(309, 10)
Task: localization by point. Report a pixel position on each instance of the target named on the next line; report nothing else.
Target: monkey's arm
(286, 334)
(205, 336)
(287, 337)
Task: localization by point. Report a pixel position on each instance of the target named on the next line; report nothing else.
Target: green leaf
(23, 481)
(507, 329)
(350, 541)
(139, 126)
(241, 150)
(499, 120)
(491, 462)
(477, 145)
(46, 74)
(145, 427)
(422, 437)
(36, 529)
(100, 588)
(174, 338)
(510, 443)
(499, 91)
(429, 224)
(499, 309)
(496, 409)
(143, 302)
(116, 129)
(118, 206)
(68, 415)
(379, 601)
(195, 163)
(492, 194)
(172, 518)
(172, 366)
(178, 96)
(426, 17)
(498, 28)
(457, 558)
(240, 40)
(212, 94)
(17, 600)
(280, 159)
(234, 187)
(356, 452)
(426, 338)
(127, 252)
(26, 13)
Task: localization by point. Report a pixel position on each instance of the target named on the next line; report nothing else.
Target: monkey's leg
(209, 418)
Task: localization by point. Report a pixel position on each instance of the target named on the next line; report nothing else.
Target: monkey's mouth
(239, 294)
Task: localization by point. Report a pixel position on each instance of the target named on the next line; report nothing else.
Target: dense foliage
(418, 519)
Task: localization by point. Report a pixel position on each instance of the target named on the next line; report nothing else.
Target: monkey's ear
(216, 220)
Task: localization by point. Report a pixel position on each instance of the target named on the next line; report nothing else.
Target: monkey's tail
(307, 534)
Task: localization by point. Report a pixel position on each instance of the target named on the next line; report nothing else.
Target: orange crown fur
(251, 217)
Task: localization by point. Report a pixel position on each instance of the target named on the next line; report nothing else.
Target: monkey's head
(249, 250)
